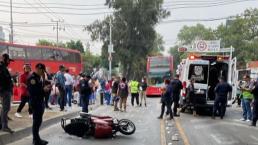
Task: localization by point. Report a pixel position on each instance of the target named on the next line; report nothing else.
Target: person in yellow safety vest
(134, 89)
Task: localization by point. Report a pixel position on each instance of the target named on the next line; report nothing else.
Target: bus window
(65, 55)
(199, 73)
(16, 52)
(3, 49)
(77, 57)
(34, 53)
(58, 55)
(48, 54)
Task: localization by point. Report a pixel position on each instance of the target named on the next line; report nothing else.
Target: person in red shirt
(24, 91)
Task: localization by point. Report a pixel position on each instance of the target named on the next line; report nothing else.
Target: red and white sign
(201, 46)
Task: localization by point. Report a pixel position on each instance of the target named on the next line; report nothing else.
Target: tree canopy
(133, 34)
(240, 31)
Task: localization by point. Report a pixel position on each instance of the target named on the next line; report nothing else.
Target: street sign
(182, 49)
(207, 46)
(110, 48)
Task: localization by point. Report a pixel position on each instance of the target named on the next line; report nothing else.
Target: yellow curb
(181, 131)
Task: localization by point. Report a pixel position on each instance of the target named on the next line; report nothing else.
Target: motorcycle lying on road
(98, 126)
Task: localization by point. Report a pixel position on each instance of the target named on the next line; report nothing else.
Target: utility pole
(58, 28)
(110, 49)
(11, 22)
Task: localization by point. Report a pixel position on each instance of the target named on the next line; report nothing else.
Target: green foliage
(90, 62)
(133, 34)
(241, 32)
(75, 45)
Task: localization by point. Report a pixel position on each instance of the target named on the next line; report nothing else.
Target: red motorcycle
(97, 126)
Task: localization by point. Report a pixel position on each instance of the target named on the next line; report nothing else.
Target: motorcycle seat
(99, 121)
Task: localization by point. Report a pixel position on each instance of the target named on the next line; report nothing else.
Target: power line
(170, 6)
(64, 4)
(70, 33)
(195, 20)
(62, 13)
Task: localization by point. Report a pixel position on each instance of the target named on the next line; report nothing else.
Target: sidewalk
(23, 126)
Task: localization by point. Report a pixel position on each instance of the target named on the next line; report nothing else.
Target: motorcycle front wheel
(126, 127)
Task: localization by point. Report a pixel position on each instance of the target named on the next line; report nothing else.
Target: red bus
(52, 57)
(158, 68)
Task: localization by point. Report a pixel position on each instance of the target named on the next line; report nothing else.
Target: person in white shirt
(68, 87)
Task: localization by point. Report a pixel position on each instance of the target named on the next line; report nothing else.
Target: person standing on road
(246, 89)
(115, 98)
(134, 89)
(85, 90)
(123, 92)
(68, 87)
(6, 89)
(221, 91)
(176, 85)
(24, 91)
(143, 87)
(37, 89)
(166, 100)
(255, 104)
(60, 84)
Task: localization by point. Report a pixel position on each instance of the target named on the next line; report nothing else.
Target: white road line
(254, 138)
(220, 139)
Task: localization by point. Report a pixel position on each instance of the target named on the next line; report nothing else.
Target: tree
(75, 45)
(241, 32)
(133, 33)
(187, 36)
(44, 42)
(90, 62)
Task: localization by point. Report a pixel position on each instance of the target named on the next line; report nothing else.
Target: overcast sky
(26, 32)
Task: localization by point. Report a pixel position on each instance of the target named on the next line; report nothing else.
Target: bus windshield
(155, 81)
(199, 73)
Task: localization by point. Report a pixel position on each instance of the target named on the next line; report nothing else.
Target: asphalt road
(145, 119)
(202, 130)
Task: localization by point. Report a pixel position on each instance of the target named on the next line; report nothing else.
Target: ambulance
(206, 67)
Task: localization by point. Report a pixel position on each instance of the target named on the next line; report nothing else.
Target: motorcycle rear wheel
(126, 126)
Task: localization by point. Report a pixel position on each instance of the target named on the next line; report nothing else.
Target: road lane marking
(222, 139)
(162, 133)
(181, 131)
(254, 138)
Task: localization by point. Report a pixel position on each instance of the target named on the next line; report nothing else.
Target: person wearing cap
(60, 83)
(221, 91)
(24, 91)
(37, 89)
(6, 89)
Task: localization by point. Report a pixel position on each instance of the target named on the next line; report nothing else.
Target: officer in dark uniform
(255, 104)
(37, 90)
(221, 90)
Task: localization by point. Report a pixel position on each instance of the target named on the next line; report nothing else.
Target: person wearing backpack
(176, 85)
(85, 90)
(123, 92)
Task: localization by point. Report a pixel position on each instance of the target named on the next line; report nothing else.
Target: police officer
(85, 89)
(37, 90)
(255, 104)
(176, 85)
(221, 91)
(6, 88)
